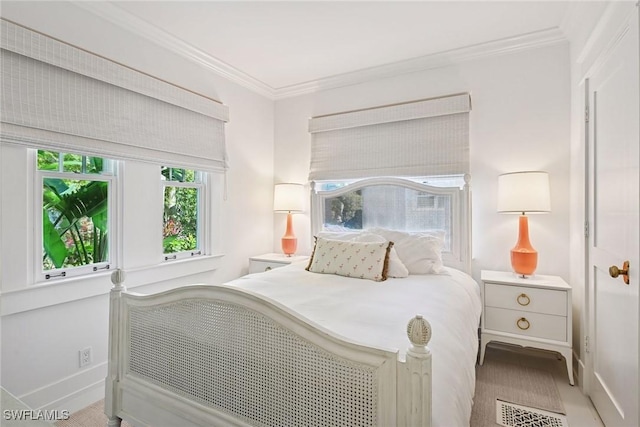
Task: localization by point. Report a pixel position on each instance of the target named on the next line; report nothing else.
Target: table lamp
(288, 197)
(524, 193)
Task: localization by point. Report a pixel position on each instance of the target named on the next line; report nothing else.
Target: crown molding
(614, 19)
(142, 28)
(442, 59)
(160, 37)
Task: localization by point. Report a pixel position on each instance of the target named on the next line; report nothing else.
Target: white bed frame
(206, 355)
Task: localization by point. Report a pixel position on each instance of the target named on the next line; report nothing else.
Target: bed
(296, 347)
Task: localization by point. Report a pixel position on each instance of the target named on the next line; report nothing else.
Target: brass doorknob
(614, 272)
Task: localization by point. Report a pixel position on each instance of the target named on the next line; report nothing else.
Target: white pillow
(339, 235)
(420, 252)
(396, 268)
(364, 260)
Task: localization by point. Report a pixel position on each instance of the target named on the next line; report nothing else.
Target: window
(76, 211)
(182, 230)
(404, 208)
(425, 201)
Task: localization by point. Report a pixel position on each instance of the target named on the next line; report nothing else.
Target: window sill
(76, 288)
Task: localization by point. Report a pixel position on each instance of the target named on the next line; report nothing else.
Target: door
(614, 137)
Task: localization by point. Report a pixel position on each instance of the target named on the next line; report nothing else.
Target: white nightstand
(268, 262)
(531, 312)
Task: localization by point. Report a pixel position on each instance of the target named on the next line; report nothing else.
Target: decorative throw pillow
(363, 260)
(396, 268)
(420, 252)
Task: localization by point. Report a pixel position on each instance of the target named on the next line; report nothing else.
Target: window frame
(201, 183)
(109, 174)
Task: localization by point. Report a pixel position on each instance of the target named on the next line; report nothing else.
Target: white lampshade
(288, 197)
(524, 192)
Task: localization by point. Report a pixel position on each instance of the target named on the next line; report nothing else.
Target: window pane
(94, 165)
(72, 163)
(47, 160)
(178, 175)
(389, 207)
(164, 173)
(180, 228)
(189, 176)
(344, 211)
(74, 222)
(75, 163)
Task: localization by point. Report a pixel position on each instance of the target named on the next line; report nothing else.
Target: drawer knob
(268, 268)
(523, 323)
(523, 299)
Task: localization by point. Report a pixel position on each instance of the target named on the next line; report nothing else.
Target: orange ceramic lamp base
(289, 240)
(524, 259)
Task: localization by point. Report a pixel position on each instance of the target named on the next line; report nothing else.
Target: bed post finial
(419, 333)
(117, 277)
(415, 377)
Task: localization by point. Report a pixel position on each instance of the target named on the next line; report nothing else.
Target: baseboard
(80, 399)
(578, 371)
(71, 393)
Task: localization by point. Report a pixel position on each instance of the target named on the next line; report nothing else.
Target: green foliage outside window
(74, 212)
(345, 210)
(75, 163)
(180, 215)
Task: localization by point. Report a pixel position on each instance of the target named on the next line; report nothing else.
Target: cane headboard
(401, 204)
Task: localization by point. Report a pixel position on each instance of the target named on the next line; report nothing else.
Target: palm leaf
(100, 220)
(52, 242)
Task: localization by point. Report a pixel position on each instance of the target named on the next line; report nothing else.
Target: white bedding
(376, 314)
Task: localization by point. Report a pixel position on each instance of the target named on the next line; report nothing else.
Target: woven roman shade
(421, 138)
(62, 98)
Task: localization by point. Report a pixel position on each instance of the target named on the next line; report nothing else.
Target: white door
(614, 137)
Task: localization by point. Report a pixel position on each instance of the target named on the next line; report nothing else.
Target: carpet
(511, 381)
(91, 416)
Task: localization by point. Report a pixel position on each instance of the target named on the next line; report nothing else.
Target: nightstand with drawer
(268, 262)
(530, 312)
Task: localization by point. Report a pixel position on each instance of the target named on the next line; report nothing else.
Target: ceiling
(290, 43)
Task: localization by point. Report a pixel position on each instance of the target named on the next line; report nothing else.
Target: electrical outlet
(85, 356)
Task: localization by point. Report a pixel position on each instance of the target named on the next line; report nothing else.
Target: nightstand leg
(483, 347)
(568, 356)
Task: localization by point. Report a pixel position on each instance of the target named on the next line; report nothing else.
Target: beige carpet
(508, 378)
(91, 416)
(516, 380)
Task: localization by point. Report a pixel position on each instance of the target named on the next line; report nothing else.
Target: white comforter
(376, 314)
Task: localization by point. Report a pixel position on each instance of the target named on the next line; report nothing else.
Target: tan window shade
(56, 96)
(429, 137)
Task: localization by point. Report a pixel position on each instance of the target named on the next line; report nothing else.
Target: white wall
(43, 327)
(519, 121)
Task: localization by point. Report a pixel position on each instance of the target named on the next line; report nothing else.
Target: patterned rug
(514, 381)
